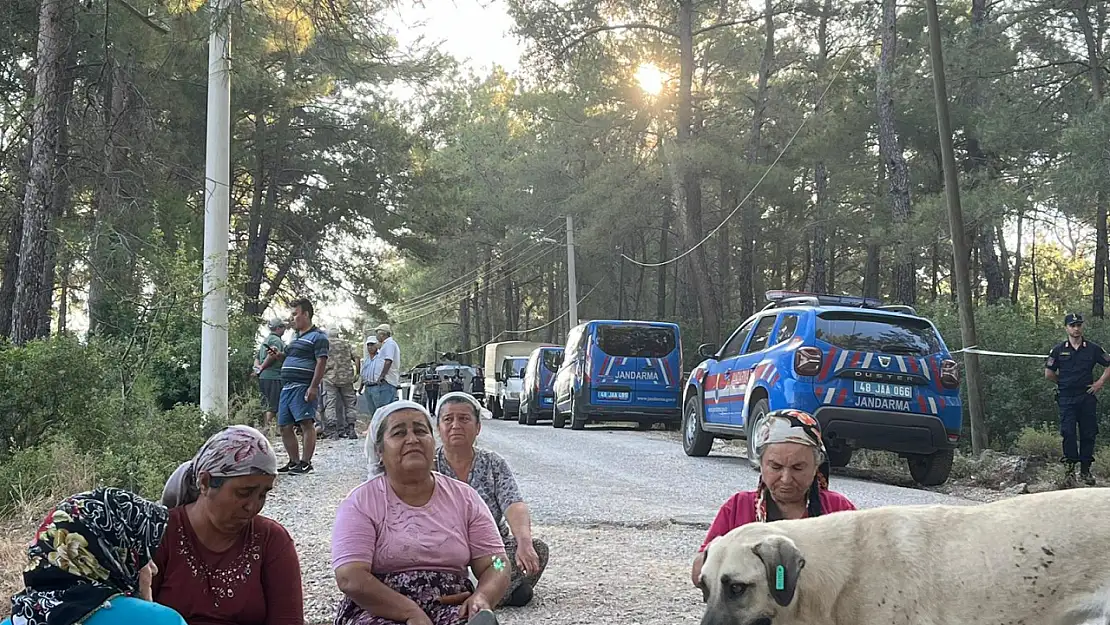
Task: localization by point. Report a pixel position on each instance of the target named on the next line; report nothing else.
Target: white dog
(1031, 560)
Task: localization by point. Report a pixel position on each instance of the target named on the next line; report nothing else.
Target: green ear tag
(780, 578)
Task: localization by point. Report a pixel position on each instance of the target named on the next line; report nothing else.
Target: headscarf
(236, 451)
(792, 426)
(377, 423)
(89, 548)
(457, 396)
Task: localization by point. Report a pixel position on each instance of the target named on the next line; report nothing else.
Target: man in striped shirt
(306, 358)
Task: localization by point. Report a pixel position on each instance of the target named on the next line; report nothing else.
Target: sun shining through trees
(651, 78)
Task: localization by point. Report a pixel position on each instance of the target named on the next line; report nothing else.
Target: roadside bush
(1042, 442)
(1101, 465)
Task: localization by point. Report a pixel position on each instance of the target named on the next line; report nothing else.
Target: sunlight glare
(651, 78)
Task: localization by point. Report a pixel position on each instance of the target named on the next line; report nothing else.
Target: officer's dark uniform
(1075, 372)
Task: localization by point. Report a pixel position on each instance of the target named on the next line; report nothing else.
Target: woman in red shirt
(793, 480)
(221, 562)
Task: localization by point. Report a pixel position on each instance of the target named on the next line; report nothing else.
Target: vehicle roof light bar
(781, 297)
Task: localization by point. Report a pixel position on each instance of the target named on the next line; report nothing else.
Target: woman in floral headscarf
(91, 562)
(793, 479)
(222, 562)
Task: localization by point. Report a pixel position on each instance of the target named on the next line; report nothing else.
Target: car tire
(758, 411)
(577, 417)
(695, 441)
(521, 414)
(644, 426)
(558, 419)
(931, 469)
(495, 410)
(532, 418)
(839, 456)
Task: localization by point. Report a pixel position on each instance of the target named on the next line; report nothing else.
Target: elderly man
(369, 372)
(384, 384)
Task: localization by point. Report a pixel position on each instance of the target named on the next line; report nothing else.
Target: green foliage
(1041, 442)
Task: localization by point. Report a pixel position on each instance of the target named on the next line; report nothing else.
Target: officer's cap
(1073, 319)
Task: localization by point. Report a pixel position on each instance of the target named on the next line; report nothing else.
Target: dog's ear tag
(780, 577)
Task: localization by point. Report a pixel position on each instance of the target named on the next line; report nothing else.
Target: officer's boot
(1085, 474)
(1069, 480)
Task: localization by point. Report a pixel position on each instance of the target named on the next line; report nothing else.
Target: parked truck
(504, 369)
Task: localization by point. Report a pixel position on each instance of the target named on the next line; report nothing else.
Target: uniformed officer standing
(1071, 366)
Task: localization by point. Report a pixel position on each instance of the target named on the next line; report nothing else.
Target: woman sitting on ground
(793, 480)
(459, 419)
(403, 540)
(91, 562)
(222, 562)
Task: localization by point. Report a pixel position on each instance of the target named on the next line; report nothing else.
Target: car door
(745, 367)
(716, 397)
(572, 362)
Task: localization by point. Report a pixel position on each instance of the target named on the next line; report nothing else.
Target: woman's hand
(527, 558)
(474, 604)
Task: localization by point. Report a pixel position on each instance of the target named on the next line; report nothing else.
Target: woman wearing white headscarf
(222, 563)
(403, 540)
(458, 416)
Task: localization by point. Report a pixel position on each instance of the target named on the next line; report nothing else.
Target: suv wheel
(839, 456)
(931, 469)
(695, 441)
(496, 410)
(759, 410)
(521, 414)
(532, 418)
(577, 417)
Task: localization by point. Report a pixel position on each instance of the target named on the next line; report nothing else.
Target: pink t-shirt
(374, 526)
(740, 510)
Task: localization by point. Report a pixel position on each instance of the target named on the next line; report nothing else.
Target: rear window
(551, 359)
(877, 333)
(636, 341)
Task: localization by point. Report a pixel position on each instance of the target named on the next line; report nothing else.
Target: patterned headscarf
(89, 549)
(792, 426)
(377, 427)
(234, 452)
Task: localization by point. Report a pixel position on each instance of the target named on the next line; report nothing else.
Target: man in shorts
(268, 369)
(302, 369)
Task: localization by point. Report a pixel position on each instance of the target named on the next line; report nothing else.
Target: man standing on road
(384, 387)
(268, 369)
(1071, 366)
(339, 390)
(301, 372)
(370, 371)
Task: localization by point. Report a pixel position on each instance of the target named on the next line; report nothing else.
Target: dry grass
(72, 476)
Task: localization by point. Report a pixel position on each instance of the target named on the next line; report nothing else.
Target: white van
(504, 369)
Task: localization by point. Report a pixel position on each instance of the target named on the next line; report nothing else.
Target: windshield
(552, 358)
(887, 334)
(517, 367)
(636, 341)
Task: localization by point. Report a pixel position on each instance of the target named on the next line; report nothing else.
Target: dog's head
(750, 576)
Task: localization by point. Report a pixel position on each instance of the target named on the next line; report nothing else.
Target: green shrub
(1041, 442)
(1101, 465)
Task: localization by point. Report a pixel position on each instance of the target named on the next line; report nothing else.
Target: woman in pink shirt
(793, 480)
(404, 539)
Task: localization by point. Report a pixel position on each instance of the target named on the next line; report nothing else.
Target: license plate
(879, 389)
(613, 395)
(546, 401)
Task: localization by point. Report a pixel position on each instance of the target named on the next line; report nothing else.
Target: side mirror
(497, 376)
(707, 350)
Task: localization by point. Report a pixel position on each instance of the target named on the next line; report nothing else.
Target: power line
(504, 332)
(465, 279)
(434, 307)
(789, 143)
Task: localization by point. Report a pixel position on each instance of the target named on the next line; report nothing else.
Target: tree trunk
(904, 282)
(552, 302)
(1015, 282)
(821, 279)
(664, 255)
(872, 271)
(724, 245)
(487, 308)
(749, 215)
(11, 270)
(708, 302)
(992, 269)
(934, 279)
(56, 26)
(1092, 36)
(464, 325)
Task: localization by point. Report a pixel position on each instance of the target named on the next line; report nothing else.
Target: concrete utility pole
(572, 276)
(217, 220)
(979, 437)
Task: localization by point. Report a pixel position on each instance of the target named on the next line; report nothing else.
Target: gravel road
(623, 512)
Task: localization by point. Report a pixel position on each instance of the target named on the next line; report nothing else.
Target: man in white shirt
(383, 386)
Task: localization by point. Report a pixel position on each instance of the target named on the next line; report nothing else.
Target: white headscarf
(455, 396)
(377, 423)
